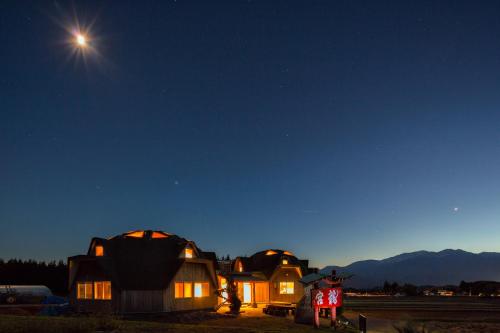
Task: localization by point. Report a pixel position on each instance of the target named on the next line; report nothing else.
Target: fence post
(362, 324)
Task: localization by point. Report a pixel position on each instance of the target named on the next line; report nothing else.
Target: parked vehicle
(11, 294)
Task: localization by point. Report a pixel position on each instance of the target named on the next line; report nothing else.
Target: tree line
(31, 272)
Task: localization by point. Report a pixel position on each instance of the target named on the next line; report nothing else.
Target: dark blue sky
(339, 130)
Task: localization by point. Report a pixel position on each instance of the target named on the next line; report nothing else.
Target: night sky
(339, 130)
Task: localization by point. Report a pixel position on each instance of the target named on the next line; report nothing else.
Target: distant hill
(447, 267)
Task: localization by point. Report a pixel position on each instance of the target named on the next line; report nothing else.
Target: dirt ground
(435, 314)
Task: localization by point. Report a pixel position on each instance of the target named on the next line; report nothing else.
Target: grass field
(467, 315)
(37, 324)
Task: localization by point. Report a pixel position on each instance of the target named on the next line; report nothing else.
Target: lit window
(102, 290)
(157, 234)
(183, 289)
(286, 287)
(288, 253)
(135, 234)
(201, 289)
(271, 252)
(197, 290)
(99, 250)
(179, 290)
(188, 289)
(84, 290)
(285, 261)
(188, 252)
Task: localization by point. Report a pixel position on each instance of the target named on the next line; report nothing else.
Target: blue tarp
(57, 306)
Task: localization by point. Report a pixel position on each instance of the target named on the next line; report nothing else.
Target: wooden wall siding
(190, 272)
(262, 292)
(141, 301)
(287, 275)
(239, 286)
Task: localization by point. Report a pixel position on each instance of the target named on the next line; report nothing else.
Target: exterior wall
(88, 272)
(92, 305)
(141, 301)
(286, 275)
(190, 272)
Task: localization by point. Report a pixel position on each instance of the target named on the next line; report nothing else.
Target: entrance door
(247, 292)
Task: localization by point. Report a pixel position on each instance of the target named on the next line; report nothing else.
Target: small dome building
(270, 276)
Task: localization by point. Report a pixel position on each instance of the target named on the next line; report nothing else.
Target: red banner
(326, 297)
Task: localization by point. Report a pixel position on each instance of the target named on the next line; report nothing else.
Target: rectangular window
(102, 290)
(201, 289)
(286, 288)
(205, 289)
(188, 289)
(188, 253)
(99, 251)
(183, 289)
(84, 290)
(179, 290)
(197, 290)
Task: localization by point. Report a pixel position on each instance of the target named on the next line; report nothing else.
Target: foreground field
(436, 314)
(36, 324)
(467, 315)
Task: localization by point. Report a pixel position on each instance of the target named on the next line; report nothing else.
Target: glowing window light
(157, 234)
(271, 252)
(288, 253)
(102, 290)
(188, 253)
(135, 234)
(285, 261)
(188, 289)
(197, 290)
(84, 290)
(286, 288)
(99, 251)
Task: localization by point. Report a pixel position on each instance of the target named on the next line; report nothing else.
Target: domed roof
(142, 259)
(266, 261)
(145, 234)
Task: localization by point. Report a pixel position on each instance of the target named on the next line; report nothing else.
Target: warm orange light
(84, 290)
(288, 253)
(188, 252)
(240, 267)
(102, 290)
(285, 262)
(99, 251)
(135, 234)
(157, 234)
(188, 289)
(271, 252)
(286, 288)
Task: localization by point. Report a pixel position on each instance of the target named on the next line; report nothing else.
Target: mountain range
(447, 267)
